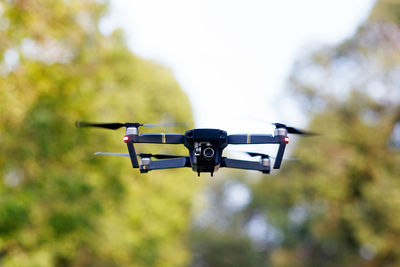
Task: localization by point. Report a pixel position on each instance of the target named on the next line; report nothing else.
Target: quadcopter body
(205, 147)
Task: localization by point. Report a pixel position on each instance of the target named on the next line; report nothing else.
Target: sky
(233, 57)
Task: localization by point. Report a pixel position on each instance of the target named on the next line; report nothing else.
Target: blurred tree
(59, 206)
(213, 248)
(217, 235)
(338, 206)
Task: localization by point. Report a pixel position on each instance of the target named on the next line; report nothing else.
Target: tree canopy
(60, 205)
(339, 205)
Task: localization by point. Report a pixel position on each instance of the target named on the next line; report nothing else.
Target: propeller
(265, 156)
(292, 130)
(159, 156)
(255, 154)
(112, 154)
(117, 125)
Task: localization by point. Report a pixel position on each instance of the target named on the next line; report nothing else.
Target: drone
(205, 147)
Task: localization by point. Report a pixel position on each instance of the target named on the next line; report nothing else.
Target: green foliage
(345, 190)
(339, 205)
(386, 10)
(218, 237)
(223, 249)
(59, 205)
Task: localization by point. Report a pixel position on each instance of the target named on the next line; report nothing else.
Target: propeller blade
(167, 124)
(287, 159)
(112, 154)
(159, 156)
(117, 125)
(112, 125)
(255, 154)
(265, 156)
(292, 130)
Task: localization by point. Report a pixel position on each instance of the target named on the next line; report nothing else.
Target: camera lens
(208, 152)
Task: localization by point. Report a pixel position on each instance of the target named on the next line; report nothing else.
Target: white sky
(232, 57)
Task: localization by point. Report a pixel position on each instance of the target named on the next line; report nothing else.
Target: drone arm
(242, 139)
(165, 164)
(158, 138)
(243, 164)
(132, 154)
(279, 156)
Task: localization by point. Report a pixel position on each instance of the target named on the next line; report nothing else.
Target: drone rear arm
(148, 165)
(247, 165)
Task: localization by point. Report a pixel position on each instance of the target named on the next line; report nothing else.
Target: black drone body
(205, 147)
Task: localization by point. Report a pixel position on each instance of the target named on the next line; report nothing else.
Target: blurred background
(332, 67)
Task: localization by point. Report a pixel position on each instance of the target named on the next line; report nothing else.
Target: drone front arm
(243, 139)
(243, 164)
(165, 164)
(158, 138)
(279, 155)
(132, 155)
(282, 140)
